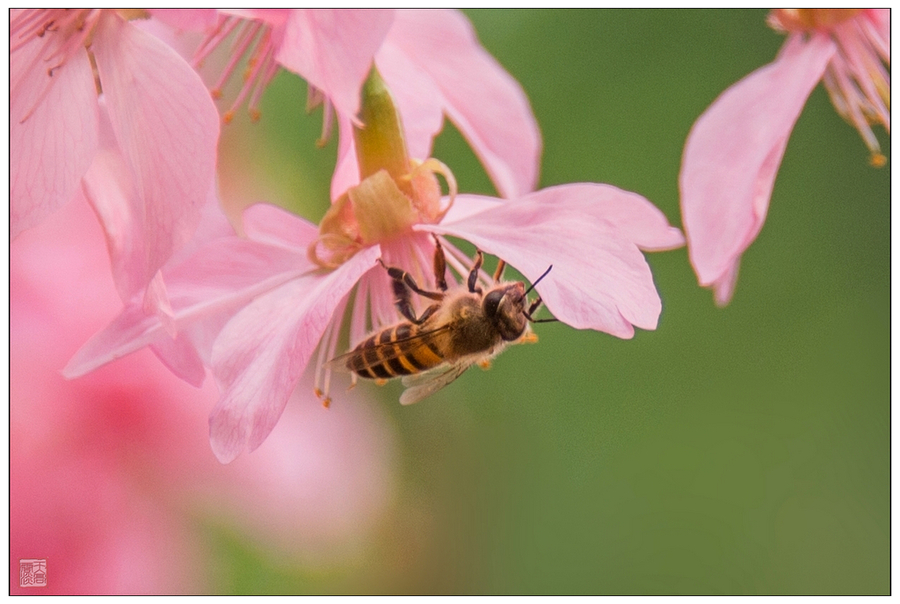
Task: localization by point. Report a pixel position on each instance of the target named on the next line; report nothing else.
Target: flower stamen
(254, 37)
(314, 98)
(856, 78)
(73, 29)
(246, 38)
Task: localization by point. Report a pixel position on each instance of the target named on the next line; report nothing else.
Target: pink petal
(733, 153)
(418, 98)
(346, 171)
(167, 129)
(267, 223)
(262, 352)
(204, 291)
(333, 49)
(468, 205)
(156, 302)
(53, 133)
(433, 61)
(109, 187)
(193, 19)
(600, 280)
(180, 356)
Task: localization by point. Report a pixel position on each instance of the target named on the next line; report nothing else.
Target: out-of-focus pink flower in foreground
(430, 59)
(734, 150)
(144, 150)
(111, 480)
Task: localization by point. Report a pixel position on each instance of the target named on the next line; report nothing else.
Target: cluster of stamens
(856, 78)
(253, 36)
(64, 31)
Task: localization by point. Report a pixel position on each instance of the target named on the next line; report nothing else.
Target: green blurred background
(735, 450)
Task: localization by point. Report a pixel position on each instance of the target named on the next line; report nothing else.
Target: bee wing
(422, 385)
(386, 351)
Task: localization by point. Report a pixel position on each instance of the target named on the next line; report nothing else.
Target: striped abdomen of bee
(402, 349)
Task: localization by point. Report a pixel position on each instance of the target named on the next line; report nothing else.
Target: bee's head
(504, 306)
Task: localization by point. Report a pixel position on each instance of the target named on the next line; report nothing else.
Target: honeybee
(463, 327)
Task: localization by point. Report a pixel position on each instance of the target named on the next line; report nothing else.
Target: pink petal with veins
(204, 292)
(166, 127)
(589, 233)
(732, 156)
(478, 95)
(333, 50)
(53, 132)
(262, 353)
(208, 285)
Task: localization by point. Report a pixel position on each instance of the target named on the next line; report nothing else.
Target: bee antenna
(538, 280)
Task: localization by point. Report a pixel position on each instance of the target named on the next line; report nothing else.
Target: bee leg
(402, 282)
(533, 309)
(473, 274)
(400, 276)
(498, 274)
(440, 265)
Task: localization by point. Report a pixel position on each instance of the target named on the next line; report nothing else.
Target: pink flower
(430, 59)
(111, 477)
(95, 465)
(734, 150)
(144, 150)
(274, 306)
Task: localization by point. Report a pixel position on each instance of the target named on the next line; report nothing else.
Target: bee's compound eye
(492, 302)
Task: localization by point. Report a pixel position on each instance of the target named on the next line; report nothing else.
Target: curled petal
(600, 280)
(167, 129)
(53, 131)
(732, 156)
(262, 353)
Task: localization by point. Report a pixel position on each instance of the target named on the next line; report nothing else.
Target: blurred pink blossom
(431, 60)
(111, 477)
(144, 150)
(734, 150)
